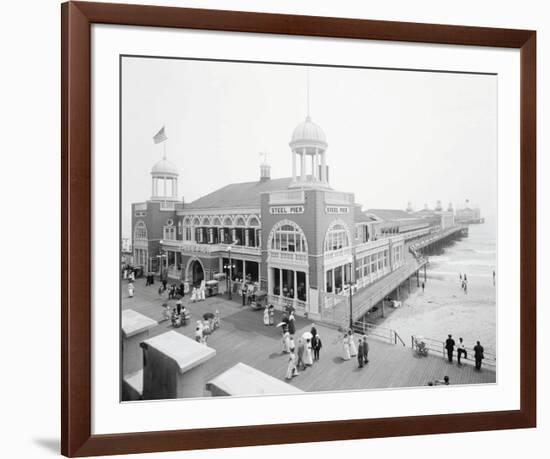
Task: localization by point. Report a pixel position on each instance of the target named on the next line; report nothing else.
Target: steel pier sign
(286, 210)
(336, 210)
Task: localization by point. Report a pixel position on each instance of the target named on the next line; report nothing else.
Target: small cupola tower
(265, 169)
(164, 174)
(309, 144)
(438, 206)
(409, 207)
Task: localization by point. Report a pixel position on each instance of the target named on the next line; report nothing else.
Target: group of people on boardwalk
(361, 351)
(450, 346)
(463, 282)
(305, 353)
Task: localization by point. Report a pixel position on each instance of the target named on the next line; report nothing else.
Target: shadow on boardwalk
(243, 338)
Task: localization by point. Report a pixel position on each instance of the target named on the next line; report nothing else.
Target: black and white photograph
(291, 228)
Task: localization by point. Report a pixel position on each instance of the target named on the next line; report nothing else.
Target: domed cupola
(308, 134)
(309, 145)
(164, 167)
(164, 174)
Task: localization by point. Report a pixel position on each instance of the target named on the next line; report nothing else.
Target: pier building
(296, 238)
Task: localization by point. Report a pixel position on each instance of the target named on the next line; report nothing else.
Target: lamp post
(230, 267)
(351, 295)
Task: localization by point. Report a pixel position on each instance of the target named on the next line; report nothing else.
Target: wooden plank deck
(243, 338)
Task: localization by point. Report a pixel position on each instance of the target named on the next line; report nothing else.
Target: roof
(164, 167)
(242, 379)
(308, 131)
(389, 214)
(362, 217)
(133, 323)
(239, 194)
(186, 352)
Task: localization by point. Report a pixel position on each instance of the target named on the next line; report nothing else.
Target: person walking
(423, 286)
(130, 290)
(450, 345)
(460, 351)
(308, 357)
(291, 369)
(164, 282)
(360, 353)
(291, 345)
(478, 354)
(460, 277)
(271, 315)
(313, 330)
(316, 344)
(345, 346)
(266, 316)
(286, 342)
(291, 323)
(352, 347)
(365, 350)
(301, 349)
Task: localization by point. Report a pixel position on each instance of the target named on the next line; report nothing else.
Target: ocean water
(474, 255)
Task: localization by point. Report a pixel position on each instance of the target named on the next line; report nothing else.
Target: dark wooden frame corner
(77, 18)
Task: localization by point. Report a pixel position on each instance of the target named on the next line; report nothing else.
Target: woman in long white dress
(345, 345)
(266, 316)
(286, 342)
(291, 369)
(308, 357)
(130, 290)
(352, 347)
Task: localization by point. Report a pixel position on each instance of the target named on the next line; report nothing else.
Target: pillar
(280, 282)
(293, 165)
(303, 165)
(244, 269)
(323, 167)
(295, 284)
(425, 280)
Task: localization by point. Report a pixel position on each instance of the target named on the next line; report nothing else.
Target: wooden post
(417, 278)
(425, 280)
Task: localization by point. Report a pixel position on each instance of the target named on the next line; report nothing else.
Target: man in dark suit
(360, 353)
(316, 345)
(450, 346)
(478, 354)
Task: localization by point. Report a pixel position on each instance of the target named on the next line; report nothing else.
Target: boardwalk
(244, 338)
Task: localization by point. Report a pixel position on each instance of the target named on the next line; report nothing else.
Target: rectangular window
(329, 281)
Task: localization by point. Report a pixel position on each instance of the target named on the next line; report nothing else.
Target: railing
(385, 334)
(283, 302)
(293, 257)
(438, 347)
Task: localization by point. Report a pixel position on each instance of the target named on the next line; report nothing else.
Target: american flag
(160, 136)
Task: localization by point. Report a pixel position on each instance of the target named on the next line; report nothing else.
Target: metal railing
(437, 347)
(388, 335)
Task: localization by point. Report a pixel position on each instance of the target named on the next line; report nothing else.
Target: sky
(393, 136)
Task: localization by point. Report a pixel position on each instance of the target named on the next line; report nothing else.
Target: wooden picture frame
(77, 19)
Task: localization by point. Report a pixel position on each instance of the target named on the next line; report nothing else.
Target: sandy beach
(444, 308)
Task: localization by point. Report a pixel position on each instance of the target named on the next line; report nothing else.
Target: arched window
(186, 221)
(216, 222)
(337, 237)
(205, 221)
(196, 222)
(287, 237)
(254, 222)
(140, 231)
(227, 221)
(240, 222)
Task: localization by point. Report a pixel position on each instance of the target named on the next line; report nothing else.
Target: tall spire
(307, 84)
